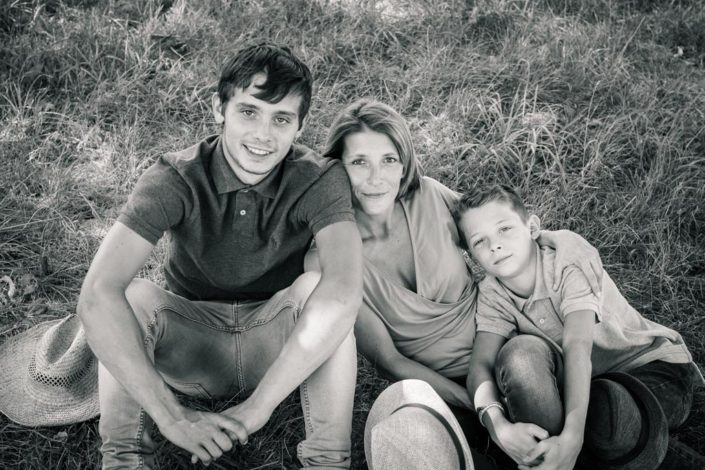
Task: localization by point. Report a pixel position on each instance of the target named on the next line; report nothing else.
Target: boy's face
(257, 135)
(499, 239)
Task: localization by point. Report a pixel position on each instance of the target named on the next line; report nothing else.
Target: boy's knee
(522, 357)
(143, 295)
(304, 285)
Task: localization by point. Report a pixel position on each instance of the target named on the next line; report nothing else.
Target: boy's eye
(504, 229)
(478, 242)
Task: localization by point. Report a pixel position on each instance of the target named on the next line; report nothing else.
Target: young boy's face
(499, 239)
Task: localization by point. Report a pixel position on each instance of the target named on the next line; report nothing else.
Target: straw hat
(49, 375)
(410, 427)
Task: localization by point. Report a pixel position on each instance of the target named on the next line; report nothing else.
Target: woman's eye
(391, 160)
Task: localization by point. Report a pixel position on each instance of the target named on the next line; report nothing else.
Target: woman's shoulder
(434, 189)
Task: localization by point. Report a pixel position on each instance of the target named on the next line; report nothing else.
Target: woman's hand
(571, 248)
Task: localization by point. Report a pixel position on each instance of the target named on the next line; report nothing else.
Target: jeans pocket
(191, 389)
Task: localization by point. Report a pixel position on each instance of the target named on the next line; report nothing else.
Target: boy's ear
(534, 226)
(217, 108)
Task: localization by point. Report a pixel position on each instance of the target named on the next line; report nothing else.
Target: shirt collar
(226, 181)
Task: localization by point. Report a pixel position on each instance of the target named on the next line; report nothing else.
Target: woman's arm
(571, 248)
(562, 451)
(516, 439)
(375, 343)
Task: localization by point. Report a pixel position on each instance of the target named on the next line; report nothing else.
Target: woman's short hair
(366, 114)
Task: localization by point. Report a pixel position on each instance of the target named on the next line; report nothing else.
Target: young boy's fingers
(538, 432)
(535, 453)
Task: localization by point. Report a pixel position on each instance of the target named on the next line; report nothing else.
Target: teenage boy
(559, 360)
(239, 313)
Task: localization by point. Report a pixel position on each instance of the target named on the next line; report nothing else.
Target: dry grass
(594, 108)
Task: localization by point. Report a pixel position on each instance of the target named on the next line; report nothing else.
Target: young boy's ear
(217, 108)
(534, 226)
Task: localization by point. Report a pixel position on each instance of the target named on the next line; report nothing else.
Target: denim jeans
(529, 375)
(220, 350)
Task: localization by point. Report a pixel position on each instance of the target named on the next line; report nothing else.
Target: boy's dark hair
(482, 194)
(285, 74)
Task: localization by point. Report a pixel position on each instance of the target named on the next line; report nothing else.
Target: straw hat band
(446, 425)
(60, 380)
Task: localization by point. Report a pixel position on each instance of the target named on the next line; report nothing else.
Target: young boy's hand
(556, 453)
(519, 440)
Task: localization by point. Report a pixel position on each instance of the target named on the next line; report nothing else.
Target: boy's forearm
(116, 340)
(326, 320)
(578, 372)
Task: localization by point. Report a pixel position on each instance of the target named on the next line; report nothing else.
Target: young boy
(573, 370)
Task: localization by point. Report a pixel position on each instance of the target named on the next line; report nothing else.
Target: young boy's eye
(478, 242)
(504, 229)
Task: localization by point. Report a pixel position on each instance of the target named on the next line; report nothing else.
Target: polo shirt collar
(226, 181)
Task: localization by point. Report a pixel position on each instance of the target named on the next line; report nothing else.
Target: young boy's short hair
(285, 74)
(480, 195)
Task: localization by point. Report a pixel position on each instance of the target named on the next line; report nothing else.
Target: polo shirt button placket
(243, 212)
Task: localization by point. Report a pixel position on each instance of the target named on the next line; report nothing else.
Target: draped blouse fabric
(435, 325)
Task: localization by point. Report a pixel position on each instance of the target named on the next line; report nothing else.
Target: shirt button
(245, 190)
(243, 212)
(542, 321)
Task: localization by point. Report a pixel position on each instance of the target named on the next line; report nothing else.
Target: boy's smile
(257, 135)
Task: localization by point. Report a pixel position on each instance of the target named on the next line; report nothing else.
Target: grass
(593, 108)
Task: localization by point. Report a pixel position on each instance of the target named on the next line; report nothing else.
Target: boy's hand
(520, 440)
(558, 453)
(205, 435)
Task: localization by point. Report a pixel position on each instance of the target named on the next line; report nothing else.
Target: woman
(417, 318)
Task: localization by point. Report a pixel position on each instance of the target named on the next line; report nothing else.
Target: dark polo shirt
(232, 241)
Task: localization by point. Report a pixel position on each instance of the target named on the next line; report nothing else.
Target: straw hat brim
(23, 407)
(412, 391)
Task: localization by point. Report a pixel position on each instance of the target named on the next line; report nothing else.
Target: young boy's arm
(518, 440)
(561, 452)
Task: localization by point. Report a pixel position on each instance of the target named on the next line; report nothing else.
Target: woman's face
(375, 170)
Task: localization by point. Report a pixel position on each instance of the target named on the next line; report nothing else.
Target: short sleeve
(494, 311)
(158, 202)
(328, 200)
(576, 293)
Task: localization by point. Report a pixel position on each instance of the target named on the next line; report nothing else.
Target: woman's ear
(534, 226)
(217, 107)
